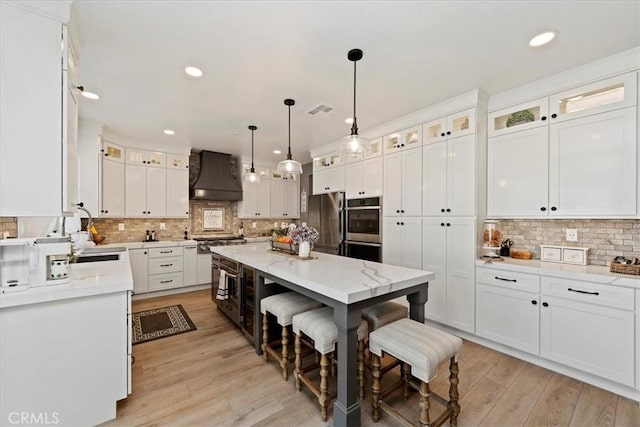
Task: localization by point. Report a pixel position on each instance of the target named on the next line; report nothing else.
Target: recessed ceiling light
(542, 38)
(277, 152)
(90, 95)
(348, 120)
(169, 132)
(193, 71)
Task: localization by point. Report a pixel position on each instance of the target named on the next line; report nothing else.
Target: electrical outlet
(121, 226)
(275, 225)
(254, 225)
(572, 235)
(163, 226)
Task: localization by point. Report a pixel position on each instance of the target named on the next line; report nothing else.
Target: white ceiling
(254, 54)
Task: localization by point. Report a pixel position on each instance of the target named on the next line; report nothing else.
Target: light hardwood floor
(212, 377)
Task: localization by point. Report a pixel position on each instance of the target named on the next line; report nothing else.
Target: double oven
(363, 238)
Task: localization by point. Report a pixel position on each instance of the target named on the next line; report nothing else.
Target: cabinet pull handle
(505, 280)
(166, 265)
(166, 281)
(166, 252)
(583, 292)
(534, 302)
(543, 209)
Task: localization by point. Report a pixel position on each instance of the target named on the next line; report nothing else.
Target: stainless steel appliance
(364, 229)
(326, 214)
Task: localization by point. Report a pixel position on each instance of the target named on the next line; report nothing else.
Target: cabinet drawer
(165, 265)
(165, 281)
(509, 279)
(165, 252)
(588, 292)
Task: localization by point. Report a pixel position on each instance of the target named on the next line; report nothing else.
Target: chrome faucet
(82, 208)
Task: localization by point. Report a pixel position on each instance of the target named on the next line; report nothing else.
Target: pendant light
(252, 176)
(355, 145)
(289, 166)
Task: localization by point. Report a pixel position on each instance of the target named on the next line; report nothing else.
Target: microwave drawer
(165, 265)
(165, 252)
(508, 279)
(165, 281)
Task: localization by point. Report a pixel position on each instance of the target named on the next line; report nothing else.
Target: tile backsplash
(135, 228)
(606, 238)
(10, 225)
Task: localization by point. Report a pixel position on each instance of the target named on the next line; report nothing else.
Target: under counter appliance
(364, 229)
(327, 215)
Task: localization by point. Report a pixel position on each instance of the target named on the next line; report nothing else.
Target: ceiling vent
(320, 108)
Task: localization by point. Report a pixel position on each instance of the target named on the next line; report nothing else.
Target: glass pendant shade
(355, 145)
(289, 166)
(252, 177)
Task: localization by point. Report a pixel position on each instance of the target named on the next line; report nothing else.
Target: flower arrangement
(304, 234)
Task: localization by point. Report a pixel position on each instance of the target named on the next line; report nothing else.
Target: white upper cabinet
(112, 188)
(364, 178)
(70, 191)
(403, 183)
(148, 158)
(145, 191)
(403, 140)
(454, 125)
(329, 180)
(256, 196)
(177, 161)
(177, 193)
(449, 177)
(515, 162)
(376, 150)
(592, 165)
(575, 158)
(32, 117)
(284, 198)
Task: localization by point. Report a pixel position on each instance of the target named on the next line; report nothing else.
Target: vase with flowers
(304, 237)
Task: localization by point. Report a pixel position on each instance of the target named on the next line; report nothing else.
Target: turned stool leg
(361, 379)
(424, 404)
(284, 363)
(324, 388)
(375, 387)
(406, 373)
(453, 392)
(298, 363)
(265, 335)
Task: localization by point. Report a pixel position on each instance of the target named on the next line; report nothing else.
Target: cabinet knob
(448, 224)
(553, 208)
(442, 210)
(397, 223)
(545, 304)
(106, 154)
(397, 210)
(80, 88)
(554, 115)
(101, 211)
(187, 213)
(543, 209)
(402, 211)
(448, 132)
(448, 210)
(534, 302)
(106, 211)
(543, 118)
(442, 134)
(402, 145)
(402, 223)
(145, 252)
(442, 224)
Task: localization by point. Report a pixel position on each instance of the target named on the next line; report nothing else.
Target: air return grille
(320, 108)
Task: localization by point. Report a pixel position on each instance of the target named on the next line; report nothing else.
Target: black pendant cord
(289, 157)
(354, 126)
(252, 128)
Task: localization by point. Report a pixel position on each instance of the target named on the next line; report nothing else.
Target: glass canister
(492, 235)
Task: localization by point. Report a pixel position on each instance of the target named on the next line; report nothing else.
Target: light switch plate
(120, 226)
(163, 226)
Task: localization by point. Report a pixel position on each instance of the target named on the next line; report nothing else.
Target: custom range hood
(217, 178)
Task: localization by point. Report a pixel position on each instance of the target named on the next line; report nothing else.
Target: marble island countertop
(147, 245)
(347, 280)
(87, 279)
(591, 273)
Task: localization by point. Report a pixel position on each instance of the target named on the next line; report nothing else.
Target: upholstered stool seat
(384, 313)
(318, 325)
(421, 349)
(283, 307)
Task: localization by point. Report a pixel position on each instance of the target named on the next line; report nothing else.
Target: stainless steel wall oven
(364, 229)
(231, 305)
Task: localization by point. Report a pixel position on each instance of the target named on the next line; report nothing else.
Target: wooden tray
(616, 267)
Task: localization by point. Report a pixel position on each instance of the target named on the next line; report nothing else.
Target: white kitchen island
(347, 285)
(65, 350)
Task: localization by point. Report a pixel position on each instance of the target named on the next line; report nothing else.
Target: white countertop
(147, 245)
(347, 280)
(87, 279)
(591, 273)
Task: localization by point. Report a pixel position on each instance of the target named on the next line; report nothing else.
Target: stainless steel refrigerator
(326, 214)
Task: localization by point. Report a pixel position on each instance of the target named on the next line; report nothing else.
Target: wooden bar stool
(318, 325)
(421, 349)
(283, 306)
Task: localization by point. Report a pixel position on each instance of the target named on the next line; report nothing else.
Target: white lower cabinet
(204, 269)
(508, 309)
(590, 327)
(448, 249)
(190, 265)
(139, 269)
(401, 243)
